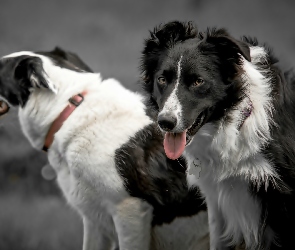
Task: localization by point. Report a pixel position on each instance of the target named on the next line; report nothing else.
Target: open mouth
(175, 143)
(198, 123)
(4, 108)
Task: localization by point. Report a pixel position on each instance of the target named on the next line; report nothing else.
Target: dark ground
(108, 36)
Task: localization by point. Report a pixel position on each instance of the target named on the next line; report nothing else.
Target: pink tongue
(174, 144)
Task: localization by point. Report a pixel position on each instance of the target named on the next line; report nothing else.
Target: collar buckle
(77, 99)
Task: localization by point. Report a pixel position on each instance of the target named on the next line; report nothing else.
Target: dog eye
(161, 80)
(199, 81)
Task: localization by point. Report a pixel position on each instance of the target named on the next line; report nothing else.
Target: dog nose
(167, 121)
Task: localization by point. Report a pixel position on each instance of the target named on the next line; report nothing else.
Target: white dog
(106, 150)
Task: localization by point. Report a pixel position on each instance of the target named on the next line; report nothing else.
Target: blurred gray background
(108, 36)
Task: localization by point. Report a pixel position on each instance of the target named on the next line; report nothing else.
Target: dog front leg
(95, 238)
(216, 226)
(132, 219)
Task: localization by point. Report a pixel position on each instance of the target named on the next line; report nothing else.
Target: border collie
(231, 108)
(106, 150)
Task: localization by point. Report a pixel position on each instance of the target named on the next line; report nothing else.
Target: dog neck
(74, 102)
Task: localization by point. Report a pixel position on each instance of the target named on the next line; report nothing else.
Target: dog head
(191, 78)
(22, 72)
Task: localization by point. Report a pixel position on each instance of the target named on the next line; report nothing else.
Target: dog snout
(167, 121)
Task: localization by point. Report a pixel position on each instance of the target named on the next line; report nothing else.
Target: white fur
(173, 105)
(230, 159)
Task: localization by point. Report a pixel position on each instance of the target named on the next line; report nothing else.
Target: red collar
(74, 102)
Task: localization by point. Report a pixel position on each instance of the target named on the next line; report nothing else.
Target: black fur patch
(18, 75)
(66, 59)
(151, 176)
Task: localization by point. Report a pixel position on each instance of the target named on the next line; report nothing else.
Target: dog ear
(161, 38)
(29, 72)
(70, 57)
(19, 76)
(228, 48)
(165, 36)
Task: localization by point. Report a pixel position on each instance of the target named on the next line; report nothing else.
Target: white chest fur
(233, 212)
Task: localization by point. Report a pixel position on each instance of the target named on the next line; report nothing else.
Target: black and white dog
(230, 106)
(106, 150)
